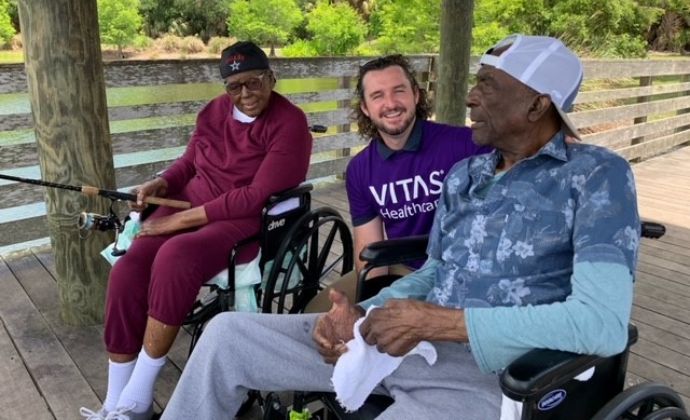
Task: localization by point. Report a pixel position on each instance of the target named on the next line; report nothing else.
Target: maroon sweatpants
(160, 276)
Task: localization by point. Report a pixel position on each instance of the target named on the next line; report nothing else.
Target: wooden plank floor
(54, 369)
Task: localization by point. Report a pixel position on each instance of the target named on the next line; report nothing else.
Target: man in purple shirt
(394, 183)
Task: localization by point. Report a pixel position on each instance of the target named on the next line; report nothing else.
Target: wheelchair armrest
(653, 230)
(298, 191)
(395, 251)
(540, 369)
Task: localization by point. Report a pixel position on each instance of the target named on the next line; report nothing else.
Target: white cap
(544, 64)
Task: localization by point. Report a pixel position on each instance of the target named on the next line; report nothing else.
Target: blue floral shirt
(511, 240)
(541, 256)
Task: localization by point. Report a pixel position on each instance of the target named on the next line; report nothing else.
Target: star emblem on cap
(234, 66)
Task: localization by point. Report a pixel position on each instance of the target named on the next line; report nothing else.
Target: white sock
(139, 390)
(118, 376)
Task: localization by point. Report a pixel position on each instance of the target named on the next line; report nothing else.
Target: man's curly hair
(364, 123)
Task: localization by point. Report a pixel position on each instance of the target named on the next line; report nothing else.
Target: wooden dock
(49, 370)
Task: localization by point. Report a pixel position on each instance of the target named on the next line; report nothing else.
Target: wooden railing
(637, 107)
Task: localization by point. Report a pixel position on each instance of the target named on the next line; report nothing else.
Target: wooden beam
(453, 61)
(64, 73)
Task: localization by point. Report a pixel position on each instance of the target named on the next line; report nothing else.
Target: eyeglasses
(252, 84)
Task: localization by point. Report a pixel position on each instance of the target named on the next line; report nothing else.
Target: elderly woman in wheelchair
(247, 145)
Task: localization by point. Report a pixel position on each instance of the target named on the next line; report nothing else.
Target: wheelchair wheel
(309, 254)
(215, 302)
(647, 401)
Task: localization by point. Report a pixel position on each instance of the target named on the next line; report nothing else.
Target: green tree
(203, 18)
(119, 22)
(597, 27)
(603, 27)
(496, 19)
(671, 30)
(266, 21)
(408, 26)
(158, 16)
(336, 28)
(6, 29)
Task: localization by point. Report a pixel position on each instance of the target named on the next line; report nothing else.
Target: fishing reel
(95, 221)
(88, 222)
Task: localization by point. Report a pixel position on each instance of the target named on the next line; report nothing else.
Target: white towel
(363, 367)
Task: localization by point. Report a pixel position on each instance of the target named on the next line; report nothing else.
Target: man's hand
(401, 324)
(157, 187)
(334, 328)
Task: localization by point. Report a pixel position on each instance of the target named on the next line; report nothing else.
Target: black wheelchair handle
(402, 250)
(318, 128)
(395, 251)
(653, 230)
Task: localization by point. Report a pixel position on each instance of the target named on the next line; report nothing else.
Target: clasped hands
(395, 328)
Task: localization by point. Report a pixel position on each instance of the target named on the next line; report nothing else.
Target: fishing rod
(93, 191)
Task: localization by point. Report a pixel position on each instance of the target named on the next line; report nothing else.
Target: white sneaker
(89, 414)
(126, 413)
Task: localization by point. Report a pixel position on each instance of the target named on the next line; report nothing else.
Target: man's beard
(380, 126)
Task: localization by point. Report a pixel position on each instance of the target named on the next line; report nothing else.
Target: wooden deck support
(66, 87)
(453, 61)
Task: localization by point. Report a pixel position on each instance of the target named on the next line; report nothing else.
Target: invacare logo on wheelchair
(551, 400)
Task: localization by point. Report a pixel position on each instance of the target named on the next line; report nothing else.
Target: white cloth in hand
(363, 367)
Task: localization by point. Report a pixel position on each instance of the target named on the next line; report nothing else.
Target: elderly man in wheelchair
(533, 247)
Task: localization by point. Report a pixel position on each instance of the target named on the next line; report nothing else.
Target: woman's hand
(174, 223)
(157, 187)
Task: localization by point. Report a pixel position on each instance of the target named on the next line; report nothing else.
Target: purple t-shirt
(403, 187)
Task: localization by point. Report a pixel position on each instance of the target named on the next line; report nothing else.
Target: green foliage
(203, 18)
(622, 45)
(119, 21)
(485, 36)
(408, 26)
(336, 28)
(158, 16)
(597, 27)
(300, 48)
(6, 29)
(368, 49)
(265, 22)
(141, 42)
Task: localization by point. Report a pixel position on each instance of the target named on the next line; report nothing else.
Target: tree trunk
(64, 72)
(454, 61)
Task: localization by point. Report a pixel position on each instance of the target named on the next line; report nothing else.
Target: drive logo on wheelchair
(276, 224)
(551, 400)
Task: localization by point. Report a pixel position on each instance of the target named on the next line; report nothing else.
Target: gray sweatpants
(242, 351)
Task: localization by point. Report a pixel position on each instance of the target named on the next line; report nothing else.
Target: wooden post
(454, 61)
(683, 79)
(644, 81)
(344, 83)
(66, 88)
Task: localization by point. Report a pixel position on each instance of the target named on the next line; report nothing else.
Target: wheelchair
(544, 381)
(297, 253)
